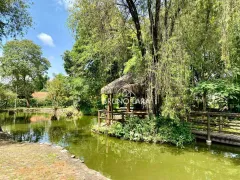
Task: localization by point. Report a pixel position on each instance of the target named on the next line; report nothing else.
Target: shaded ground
(36, 161)
(5, 139)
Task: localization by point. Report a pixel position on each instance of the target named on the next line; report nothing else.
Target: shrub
(71, 112)
(175, 132)
(153, 130)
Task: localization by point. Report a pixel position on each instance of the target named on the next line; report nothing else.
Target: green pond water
(120, 159)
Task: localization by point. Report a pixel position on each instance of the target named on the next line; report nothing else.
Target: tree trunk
(1, 129)
(154, 29)
(27, 103)
(134, 13)
(54, 117)
(6, 104)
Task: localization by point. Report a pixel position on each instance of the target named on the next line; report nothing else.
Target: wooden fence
(225, 126)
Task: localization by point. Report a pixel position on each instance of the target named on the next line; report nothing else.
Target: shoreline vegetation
(66, 112)
(41, 160)
(155, 130)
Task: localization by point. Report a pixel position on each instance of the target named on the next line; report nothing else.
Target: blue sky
(50, 31)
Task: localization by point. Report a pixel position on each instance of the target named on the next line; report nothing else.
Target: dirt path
(36, 161)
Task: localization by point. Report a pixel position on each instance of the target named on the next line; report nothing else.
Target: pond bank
(40, 161)
(66, 112)
(34, 110)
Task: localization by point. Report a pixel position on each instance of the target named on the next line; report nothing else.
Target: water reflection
(36, 118)
(141, 161)
(119, 159)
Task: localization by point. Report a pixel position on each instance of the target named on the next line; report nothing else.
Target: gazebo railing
(117, 115)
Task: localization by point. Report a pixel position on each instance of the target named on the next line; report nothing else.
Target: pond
(121, 159)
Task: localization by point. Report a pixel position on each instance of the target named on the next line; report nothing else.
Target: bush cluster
(157, 130)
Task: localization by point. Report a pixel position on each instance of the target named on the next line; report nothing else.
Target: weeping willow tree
(230, 38)
(198, 49)
(164, 63)
(211, 41)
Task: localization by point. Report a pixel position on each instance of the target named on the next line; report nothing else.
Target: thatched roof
(125, 82)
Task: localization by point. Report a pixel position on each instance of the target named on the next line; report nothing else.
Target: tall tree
(162, 16)
(23, 67)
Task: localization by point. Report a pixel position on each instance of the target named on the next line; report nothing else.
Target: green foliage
(58, 90)
(99, 53)
(24, 67)
(68, 62)
(223, 87)
(133, 64)
(6, 96)
(176, 132)
(40, 103)
(71, 112)
(153, 130)
(220, 92)
(173, 77)
(14, 17)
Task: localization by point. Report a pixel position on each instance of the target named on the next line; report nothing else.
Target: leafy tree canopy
(23, 67)
(58, 90)
(14, 17)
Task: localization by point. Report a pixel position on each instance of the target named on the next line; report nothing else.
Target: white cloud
(67, 4)
(51, 58)
(46, 39)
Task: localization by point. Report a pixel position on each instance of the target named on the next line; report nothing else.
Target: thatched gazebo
(125, 85)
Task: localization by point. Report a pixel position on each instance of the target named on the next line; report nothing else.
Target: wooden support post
(99, 118)
(109, 109)
(128, 105)
(204, 99)
(209, 142)
(220, 124)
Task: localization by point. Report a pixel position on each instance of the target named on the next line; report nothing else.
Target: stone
(59, 147)
(81, 159)
(64, 151)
